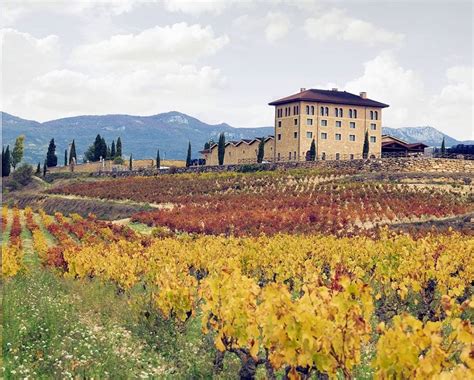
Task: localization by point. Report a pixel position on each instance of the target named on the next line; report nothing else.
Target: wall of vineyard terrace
(401, 164)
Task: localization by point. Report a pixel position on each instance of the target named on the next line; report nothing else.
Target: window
(376, 115)
(322, 111)
(373, 127)
(350, 114)
(309, 121)
(338, 124)
(326, 111)
(373, 139)
(295, 135)
(294, 155)
(355, 114)
(323, 155)
(230, 153)
(338, 136)
(351, 156)
(279, 124)
(324, 123)
(286, 111)
(289, 155)
(279, 136)
(312, 110)
(341, 114)
(352, 125)
(324, 136)
(278, 157)
(371, 115)
(352, 137)
(338, 156)
(336, 112)
(309, 135)
(307, 110)
(296, 121)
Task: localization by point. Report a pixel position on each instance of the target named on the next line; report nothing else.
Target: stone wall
(412, 164)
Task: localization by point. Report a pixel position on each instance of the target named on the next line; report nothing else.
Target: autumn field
(293, 274)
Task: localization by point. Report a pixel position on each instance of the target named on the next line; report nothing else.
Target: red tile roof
(329, 96)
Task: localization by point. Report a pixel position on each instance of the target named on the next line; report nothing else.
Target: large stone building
(335, 120)
(240, 152)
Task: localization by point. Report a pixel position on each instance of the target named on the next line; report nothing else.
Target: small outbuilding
(392, 146)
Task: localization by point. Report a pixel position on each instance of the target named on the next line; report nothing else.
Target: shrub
(23, 175)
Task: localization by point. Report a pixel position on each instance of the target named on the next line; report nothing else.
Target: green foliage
(72, 153)
(112, 150)
(45, 168)
(250, 168)
(188, 156)
(221, 149)
(23, 174)
(312, 151)
(261, 150)
(119, 148)
(443, 147)
(65, 157)
(51, 158)
(118, 160)
(130, 163)
(6, 162)
(38, 169)
(17, 152)
(365, 148)
(158, 159)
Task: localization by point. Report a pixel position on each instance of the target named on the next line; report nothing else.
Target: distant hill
(140, 135)
(427, 135)
(143, 135)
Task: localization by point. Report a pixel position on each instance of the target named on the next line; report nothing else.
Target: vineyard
(281, 275)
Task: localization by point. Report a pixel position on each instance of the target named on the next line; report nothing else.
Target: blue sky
(224, 61)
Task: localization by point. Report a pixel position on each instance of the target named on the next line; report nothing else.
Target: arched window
(312, 110)
(355, 114)
(350, 114)
(338, 156)
(336, 112)
(327, 111)
(376, 115)
(341, 114)
(371, 115)
(322, 111)
(307, 110)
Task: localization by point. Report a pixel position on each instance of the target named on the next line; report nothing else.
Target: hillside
(141, 135)
(428, 135)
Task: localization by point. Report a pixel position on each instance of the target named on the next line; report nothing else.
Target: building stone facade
(335, 120)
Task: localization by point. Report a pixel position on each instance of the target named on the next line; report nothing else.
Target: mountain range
(143, 135)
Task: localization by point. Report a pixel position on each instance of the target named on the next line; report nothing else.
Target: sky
(224, 61)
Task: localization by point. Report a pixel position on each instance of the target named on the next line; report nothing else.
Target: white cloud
(336, 24)
(449, 110)
(197, 7)
(278, 25)
(176, 43)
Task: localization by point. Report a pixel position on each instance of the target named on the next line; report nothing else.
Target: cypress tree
(365, 148)
(3, 161)
(109, 153)
(130, 163)
(443, 147)
(6, 165)
(119, 148)
(38, 169)
(112, 150)
(103, 148)
(97, 148)
(158, 159)
(72, 153)
(188, 156)
(65, 157)
(207, 145)
(312, 151)
(51, 158)
(221, 149)
(45, 168)
(261, 150)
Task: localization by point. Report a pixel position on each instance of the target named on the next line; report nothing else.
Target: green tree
(119, 148)
(261, 150)
(23, 174)
(97, 148)
(17, 152)
(51, 158)
(158, 159)
(45, 168)
(38, 169)
(443, 147)
(65, 157)
(103, 149)
(365, 148)
(130, 163)
(188, 155)
(6, 165)
(312, 151)
(72, 153)
(112, 150)
(207, 145)
(221, 149)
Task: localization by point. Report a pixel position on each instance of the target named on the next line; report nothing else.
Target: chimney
(363, 95)
(302, 89)
(334, 88)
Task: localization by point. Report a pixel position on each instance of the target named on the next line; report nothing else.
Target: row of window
(324, 136)
(323, 156)
(324, 123)
(324, 111)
